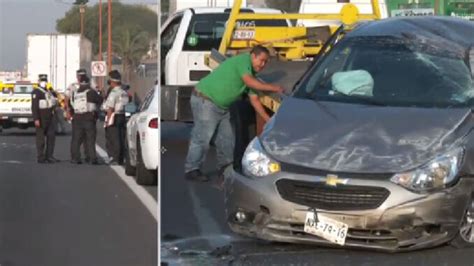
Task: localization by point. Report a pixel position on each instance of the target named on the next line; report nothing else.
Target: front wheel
(465, 237)
(144, 176)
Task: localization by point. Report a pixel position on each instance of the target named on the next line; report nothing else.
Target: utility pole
(109, 39)
(82, 10)
(100, 40)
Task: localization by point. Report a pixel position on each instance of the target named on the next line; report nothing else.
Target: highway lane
(194, 230)
(65, 214)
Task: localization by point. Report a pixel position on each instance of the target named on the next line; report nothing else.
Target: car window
(23, 89)
(146, 102)
(206, 30)
(169, 35)
(391, 71)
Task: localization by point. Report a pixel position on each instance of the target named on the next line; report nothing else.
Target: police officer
(85, 104)
(43, 104)
(71, 89)
(114, 106)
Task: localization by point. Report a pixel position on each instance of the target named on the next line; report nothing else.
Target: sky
(19, 17)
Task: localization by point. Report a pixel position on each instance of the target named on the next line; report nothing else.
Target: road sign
(98, 69)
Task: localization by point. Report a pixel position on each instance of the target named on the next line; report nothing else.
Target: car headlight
(437, 174)
(256, 163)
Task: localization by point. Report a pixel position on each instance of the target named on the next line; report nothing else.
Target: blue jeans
(209, 121)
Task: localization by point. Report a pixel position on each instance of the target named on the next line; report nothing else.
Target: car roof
(203, 10)
(440, 29)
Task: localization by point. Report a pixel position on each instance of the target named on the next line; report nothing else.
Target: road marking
(145, 197)
(11, 162)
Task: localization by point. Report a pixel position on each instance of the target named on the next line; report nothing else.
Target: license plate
(23, 120)
(326, 228)
(244, 35)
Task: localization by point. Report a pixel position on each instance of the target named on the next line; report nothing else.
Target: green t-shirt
(225, 85)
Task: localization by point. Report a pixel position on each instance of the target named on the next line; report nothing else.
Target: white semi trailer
(58, 56)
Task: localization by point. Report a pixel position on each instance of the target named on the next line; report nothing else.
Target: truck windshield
(23, 89)
(206, 30)
(392, 71)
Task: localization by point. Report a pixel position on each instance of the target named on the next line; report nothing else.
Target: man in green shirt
(210, 104)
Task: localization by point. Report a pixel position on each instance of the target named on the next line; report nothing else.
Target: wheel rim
(467, 228)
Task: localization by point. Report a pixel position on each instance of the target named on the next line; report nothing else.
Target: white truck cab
(192, 33)
(187, 37)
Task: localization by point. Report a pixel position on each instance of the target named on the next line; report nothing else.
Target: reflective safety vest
(71, 90)
(81, 105)
(49, 102)
(116, 99)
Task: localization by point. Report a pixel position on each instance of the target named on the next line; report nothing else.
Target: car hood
(344, 137)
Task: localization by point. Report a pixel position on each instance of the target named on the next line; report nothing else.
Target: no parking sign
(98, 69)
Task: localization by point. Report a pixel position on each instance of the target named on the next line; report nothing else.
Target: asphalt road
(63, 214)
(194, 231)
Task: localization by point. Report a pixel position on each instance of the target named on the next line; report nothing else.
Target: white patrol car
(15, 106)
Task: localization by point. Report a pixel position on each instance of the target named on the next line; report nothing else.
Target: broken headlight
(437, 174)
(256, 162)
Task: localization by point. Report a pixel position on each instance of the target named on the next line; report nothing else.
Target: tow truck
(293, 47)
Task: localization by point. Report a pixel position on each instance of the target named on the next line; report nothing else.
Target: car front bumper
(16, 120)
(403, 221)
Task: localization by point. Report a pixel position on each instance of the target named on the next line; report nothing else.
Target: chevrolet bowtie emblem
(333, 180)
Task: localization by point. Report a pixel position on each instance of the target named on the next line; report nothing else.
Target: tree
(133, 27)
(131, 44)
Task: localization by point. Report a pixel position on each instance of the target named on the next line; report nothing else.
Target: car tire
(130, 170)
(465, 229)
(144, 176)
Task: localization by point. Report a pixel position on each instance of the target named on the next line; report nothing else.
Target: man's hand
(37, 124)
(68, 115)
(256, 84)
(277, 88)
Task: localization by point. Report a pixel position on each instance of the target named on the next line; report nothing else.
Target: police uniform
(43, 106)
(69, 92)
(116, 100)
(85, 102)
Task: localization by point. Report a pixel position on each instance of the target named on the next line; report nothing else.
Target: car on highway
(15, 106)
(373, 149)
(142, 141)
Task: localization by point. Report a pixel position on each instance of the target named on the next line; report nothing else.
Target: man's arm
(257, 105)
(255, 84)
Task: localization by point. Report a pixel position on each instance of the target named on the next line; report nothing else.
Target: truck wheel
(465, 236)
(144, 176)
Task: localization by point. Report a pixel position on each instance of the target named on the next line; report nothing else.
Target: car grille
(322, 196)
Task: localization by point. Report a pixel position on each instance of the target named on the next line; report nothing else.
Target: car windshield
(393, 72)
(23, 89)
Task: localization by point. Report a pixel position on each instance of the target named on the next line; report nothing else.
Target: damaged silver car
(373, 149)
